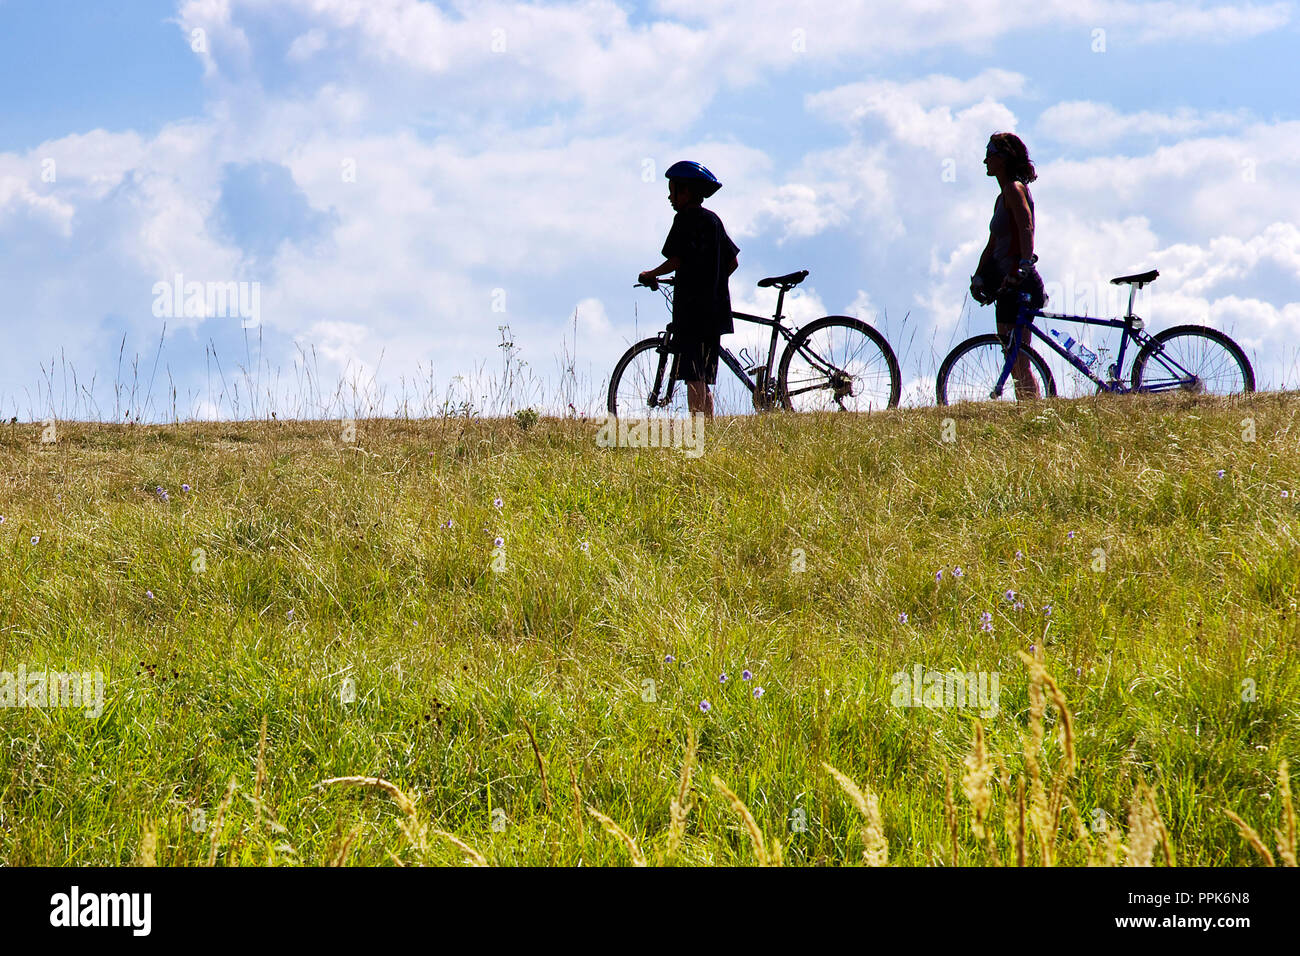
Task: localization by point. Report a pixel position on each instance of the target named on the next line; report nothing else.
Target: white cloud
(1080, 123)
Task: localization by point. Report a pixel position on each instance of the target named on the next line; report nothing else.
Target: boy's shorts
(699, 358)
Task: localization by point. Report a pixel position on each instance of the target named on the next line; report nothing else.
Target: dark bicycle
(835, 363)
(1189, 358)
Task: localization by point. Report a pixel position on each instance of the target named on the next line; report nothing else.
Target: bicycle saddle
(785, 282)
(1139, 280)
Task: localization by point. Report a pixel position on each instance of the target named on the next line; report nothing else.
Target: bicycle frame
(725, 355)
(1131, 327)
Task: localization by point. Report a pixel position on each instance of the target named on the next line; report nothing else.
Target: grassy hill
(339, 591)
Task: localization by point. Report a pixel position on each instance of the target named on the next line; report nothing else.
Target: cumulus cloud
(419, 159)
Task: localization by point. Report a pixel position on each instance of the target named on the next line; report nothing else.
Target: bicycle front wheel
(640, 386)
(1193, 358)
(838, 363)
(972, 369)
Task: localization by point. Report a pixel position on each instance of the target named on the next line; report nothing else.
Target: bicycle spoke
(837, 366)
(634, 390)
(1193, 359)
(971, 371)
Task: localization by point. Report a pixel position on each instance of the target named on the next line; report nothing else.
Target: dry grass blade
(682, 803)
(219, 821)
(1252, 837)
(1286, 842)
(148, 853)
(950, 816)
(411, 822)
(975, 783)
(260, 779)
(475, 857)
(577, 805)
(638, 858)
(402, 800)
(342, 854)
(541, 767)
(875, 848)
(1020, 830)
(755, 834)
(1142, 830)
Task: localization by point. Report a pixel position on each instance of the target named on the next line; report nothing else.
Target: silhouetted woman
(1006, 268)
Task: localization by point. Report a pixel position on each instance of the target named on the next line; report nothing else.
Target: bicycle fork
(664, 349)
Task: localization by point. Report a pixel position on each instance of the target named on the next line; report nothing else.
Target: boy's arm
(671, 264)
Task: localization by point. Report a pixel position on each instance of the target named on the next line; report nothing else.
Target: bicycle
(835, 363)
(1190, 358)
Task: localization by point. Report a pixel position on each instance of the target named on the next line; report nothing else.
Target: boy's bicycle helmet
(690, 170)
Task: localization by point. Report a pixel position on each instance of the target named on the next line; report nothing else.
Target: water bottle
(1080, 351)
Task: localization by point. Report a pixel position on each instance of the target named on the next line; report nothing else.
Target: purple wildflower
(36, 539)
(668, 659)
(746, 675)
(957, 572)
(499, 543)
(1019, 555)
(902, 618)
(758, 692)
(705, 706)
(938, 575)
(149, 595)
(185, 489)
(497, 502)
(1011, 595)
(986, 621)
(722, 678)
(1219, 473)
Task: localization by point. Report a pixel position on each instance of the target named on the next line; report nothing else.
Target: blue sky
(401, 178)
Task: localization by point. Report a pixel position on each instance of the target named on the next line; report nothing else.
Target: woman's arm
(1017, 199)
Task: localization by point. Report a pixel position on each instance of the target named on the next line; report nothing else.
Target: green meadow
(534, 650)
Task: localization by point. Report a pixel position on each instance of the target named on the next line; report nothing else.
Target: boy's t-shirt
(701, 298)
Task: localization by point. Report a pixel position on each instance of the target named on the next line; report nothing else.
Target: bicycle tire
(637, 387)
(860, 367)
(988, 377)
(1160, 344)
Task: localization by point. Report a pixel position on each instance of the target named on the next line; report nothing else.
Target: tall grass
(330, 670)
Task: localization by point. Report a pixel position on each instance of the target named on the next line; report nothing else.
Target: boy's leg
(699, 398)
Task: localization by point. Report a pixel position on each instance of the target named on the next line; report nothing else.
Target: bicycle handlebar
(667, 280)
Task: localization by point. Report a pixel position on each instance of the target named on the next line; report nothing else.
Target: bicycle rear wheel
(971, 370)
(1193, 358)
(634, 379)
(838, 363)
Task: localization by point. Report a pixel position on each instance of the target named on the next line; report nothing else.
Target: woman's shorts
(1008, 304)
